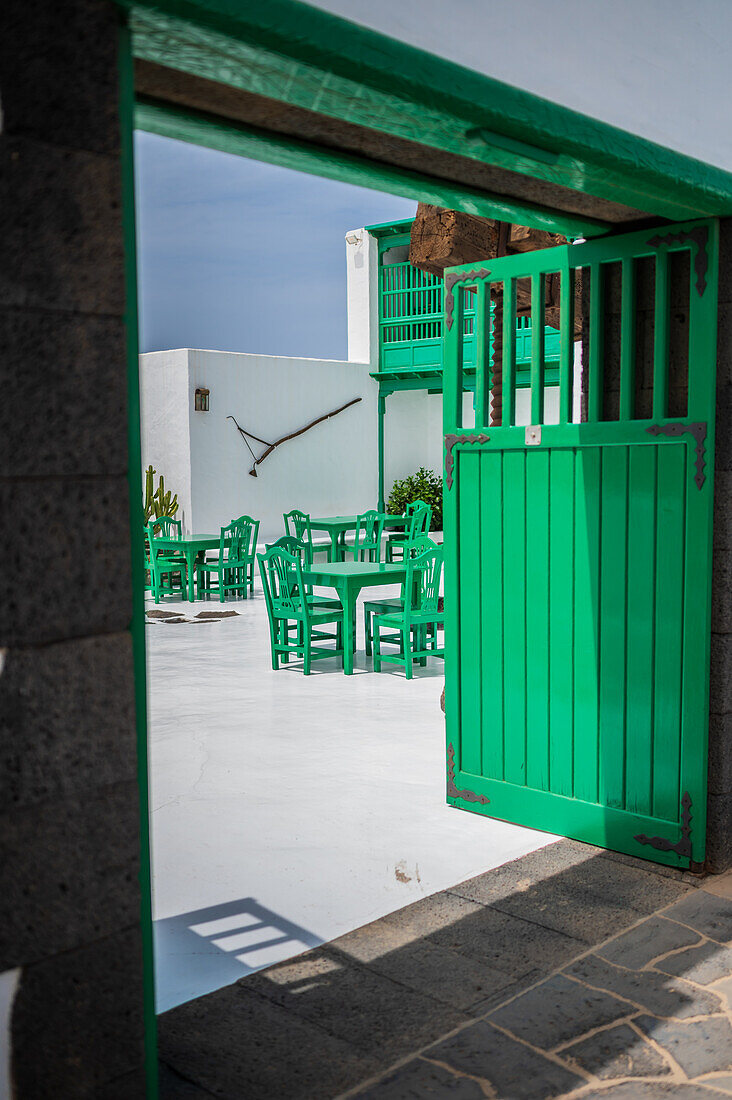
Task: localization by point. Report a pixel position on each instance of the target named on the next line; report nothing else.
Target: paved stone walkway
(570, 973)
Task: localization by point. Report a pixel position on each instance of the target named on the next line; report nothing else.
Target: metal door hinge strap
(681, 847)
(455, 792)
(450, 441)
(699, 432)
(460, 277)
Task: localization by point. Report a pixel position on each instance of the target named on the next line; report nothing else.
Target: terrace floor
(288, 810)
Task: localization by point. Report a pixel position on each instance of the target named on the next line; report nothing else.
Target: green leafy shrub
(425, 485)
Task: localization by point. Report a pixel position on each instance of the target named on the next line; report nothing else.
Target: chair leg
(377, 645)
(307, 648)
(367, 630)
(407, 643)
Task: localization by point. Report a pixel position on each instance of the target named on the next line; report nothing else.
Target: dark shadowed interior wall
(69, 836)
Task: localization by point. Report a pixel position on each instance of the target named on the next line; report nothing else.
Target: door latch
(532, 435)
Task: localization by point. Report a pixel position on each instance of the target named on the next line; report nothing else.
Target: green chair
(297, 524)
(419, 517)
(288, 607)
(408, 629)
(367, 539)
(302, 551)
(233, 568)
(393, 603)
(168, 576)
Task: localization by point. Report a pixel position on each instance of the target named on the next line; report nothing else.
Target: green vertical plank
(627, 340)
(597, 336)
(537, 619)
(380, 443)
(509, 353)
(640, 628)
(566, 344)
(469, 531)
(491, 600)
(452, 371)
(561, 628)
(482, 355)
(587, 622)
(660, 338)
(670, 534)
(613, 582)
(537, 349)
(451, 423)
(514, 615)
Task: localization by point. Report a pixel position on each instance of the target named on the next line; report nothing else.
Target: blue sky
(237, 255)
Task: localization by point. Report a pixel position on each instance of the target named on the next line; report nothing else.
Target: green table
(348, 578)
(191, 547)
(336, 527)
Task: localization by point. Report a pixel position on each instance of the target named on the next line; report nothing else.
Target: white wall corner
(165, 411)
(362, 269)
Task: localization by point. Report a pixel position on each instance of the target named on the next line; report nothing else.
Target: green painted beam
(201, 128)
(290, 51)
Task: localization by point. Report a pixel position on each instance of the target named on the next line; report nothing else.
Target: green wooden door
(578, 554)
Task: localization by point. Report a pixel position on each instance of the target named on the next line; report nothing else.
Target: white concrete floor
(287, 810)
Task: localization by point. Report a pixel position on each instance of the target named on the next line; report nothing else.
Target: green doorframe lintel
(298, 54)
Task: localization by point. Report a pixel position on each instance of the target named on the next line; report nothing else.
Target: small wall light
(201, 404)
(353, 238)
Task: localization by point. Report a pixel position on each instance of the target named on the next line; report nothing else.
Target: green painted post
(382, 415)
(137, 622)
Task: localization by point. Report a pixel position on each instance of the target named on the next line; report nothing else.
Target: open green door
(578, 554)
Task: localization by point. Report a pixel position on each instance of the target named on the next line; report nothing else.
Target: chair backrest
(419, 515)
(251, 533)
(233, 542)
(423, 580)
(298, 524)
(369, 526)
(421, 545)
(293, 546)
(166, 527)
(282, 582)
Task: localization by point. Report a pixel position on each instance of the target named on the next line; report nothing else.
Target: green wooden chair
(288, 606)
(302, 551)
(168, 576)
(367, 539)
(297, 524)
(234, 566)
(419, 518)
(393, 603)
(407, 629)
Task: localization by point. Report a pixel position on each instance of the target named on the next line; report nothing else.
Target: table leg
(334, 546)
(190, 563)
(349, 596)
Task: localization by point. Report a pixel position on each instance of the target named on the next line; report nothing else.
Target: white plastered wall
(165, 423)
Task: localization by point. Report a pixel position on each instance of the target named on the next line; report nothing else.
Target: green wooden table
(191, 547)
(337, 526)
(348, 578)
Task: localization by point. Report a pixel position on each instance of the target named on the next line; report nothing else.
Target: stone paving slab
(699, 1046)
(703, 964)
(654, 937)
(482, 992)
(510, 1068)
(647, 989)
(617, 1052)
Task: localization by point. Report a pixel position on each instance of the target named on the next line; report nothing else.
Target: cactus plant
(158, 503)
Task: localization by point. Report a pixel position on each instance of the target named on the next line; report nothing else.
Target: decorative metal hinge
(460, 277)
(698, 236)
(699, 432)
(454, 791)
(450, 441)
(682, 847)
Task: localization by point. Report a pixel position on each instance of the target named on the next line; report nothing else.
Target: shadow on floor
(570, 968)
(200, 951)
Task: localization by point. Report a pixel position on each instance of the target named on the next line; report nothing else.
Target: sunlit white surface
(291, 809)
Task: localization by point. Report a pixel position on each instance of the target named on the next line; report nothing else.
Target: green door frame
(300, 55)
